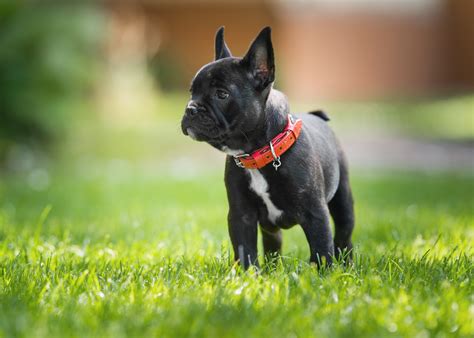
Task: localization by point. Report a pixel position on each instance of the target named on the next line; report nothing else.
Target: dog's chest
(259, 185)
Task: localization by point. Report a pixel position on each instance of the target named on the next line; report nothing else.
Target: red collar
(271, 152)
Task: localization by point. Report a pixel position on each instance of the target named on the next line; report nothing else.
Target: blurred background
(99, 87)
(112, 222)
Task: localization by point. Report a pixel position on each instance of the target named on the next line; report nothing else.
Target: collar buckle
(237, 160)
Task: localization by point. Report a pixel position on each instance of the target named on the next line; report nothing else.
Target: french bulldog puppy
(280, 169)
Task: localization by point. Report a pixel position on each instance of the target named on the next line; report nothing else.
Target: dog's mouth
(189, 132)
(209, 132)
(204, 127)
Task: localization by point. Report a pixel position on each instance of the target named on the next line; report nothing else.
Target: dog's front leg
(318, 233)
(243, 234)
(243, 215)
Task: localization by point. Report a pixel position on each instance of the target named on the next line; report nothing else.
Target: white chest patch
(231, 152)
(260, 186)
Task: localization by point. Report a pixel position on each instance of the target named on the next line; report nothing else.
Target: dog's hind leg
(341, 208)
(317, 229)
(272, 242)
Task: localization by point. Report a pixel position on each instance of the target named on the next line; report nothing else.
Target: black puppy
(281, 170)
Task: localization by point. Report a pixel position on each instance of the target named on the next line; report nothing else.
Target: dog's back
(324, 147)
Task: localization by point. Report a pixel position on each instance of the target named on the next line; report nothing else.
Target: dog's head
(228, 95)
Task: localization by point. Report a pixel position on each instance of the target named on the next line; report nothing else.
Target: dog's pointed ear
(222, 51)
(260, 60)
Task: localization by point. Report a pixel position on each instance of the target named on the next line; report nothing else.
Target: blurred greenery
(166, 72)
(52, 62)
(448, 118)
(49, 59)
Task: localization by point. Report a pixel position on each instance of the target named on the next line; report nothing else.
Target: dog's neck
(276, 115)
(273, 121)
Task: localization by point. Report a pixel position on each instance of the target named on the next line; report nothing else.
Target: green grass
(149, 255)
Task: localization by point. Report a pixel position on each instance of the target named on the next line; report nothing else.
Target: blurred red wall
(322, 52)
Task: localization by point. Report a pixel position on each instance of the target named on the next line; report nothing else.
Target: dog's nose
(191, 110)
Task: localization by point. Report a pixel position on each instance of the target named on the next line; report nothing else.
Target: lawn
(149, 255)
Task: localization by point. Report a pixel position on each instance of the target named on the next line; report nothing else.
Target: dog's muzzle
(199, 123)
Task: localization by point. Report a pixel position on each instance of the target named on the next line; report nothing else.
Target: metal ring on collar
(276, 159)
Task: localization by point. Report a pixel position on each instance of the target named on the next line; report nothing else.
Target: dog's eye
(222, 94)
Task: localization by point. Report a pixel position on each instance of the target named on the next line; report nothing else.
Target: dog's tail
(320, 114)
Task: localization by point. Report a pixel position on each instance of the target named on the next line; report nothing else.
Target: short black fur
(320, 114)
(235, 109)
